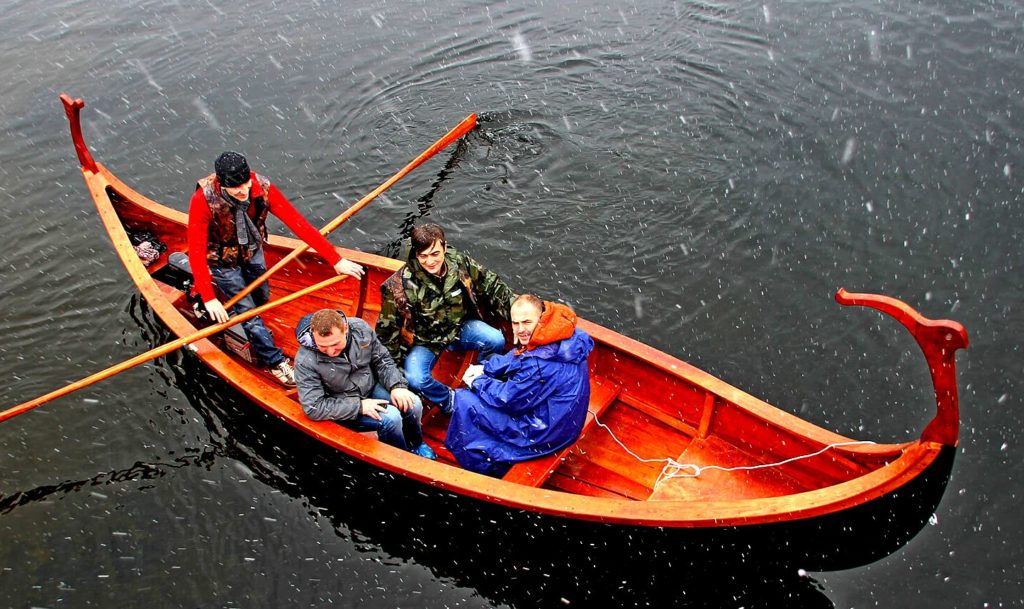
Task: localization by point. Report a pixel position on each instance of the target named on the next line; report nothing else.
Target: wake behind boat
(666, 448)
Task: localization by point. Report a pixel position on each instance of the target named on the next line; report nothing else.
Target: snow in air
(521, 47)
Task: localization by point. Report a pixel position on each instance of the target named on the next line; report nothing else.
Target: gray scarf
(245, 229)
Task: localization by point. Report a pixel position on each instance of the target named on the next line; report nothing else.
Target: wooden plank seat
(534, 472)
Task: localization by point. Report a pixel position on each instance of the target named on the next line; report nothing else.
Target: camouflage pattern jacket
(417, 309)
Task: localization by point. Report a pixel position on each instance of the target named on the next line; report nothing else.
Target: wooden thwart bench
(534, 472)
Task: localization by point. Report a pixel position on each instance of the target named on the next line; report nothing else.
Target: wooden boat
(729, 460)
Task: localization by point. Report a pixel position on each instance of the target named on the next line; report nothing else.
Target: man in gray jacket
(345, 374)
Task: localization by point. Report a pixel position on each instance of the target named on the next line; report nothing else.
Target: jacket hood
(556, 323)
(557, 337)
(304, 331)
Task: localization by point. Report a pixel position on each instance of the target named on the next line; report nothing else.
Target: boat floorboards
(600, 461)
(718, 484)
(569, 484)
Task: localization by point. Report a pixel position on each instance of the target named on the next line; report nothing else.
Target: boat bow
(939, 339)
(73, 107)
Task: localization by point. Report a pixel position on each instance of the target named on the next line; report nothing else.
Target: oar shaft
(458, 131)
(165, 349)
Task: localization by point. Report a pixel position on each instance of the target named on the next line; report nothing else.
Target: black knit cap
(232, 169)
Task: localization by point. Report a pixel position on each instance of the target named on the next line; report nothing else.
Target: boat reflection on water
(527, 559)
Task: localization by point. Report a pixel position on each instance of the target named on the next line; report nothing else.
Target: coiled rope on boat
(676, 469)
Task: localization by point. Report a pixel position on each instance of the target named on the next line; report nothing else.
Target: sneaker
(424, 451)
(284, 373)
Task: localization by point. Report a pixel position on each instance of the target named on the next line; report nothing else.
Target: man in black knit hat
(226, 230)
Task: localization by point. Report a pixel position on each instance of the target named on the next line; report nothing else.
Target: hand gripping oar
(458, 131)
(165, 349)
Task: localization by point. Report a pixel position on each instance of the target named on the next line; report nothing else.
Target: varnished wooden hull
(506, 554)
(657, 405)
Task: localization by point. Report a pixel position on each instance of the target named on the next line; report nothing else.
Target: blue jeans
(231, 280)
(397, 428)
(419, 362)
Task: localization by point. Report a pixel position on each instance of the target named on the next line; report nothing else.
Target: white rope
(675, 469)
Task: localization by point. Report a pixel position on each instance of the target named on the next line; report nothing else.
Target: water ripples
(698, 175)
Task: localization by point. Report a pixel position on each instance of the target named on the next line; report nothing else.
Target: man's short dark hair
(424, 235)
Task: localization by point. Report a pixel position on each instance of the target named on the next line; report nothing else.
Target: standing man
(439, 301)
(226, 230)
(344, 374)
(529, 402)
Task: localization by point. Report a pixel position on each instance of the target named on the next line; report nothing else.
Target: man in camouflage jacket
(439, 301)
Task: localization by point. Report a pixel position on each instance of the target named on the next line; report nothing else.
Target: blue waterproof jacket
(527, 404)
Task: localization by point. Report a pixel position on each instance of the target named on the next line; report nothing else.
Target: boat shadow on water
(527, 559)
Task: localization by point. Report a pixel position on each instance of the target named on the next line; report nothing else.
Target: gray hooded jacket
(331, 388)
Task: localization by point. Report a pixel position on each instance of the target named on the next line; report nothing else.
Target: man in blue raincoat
(531, 401)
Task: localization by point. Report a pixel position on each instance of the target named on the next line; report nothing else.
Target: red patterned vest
(222, 249)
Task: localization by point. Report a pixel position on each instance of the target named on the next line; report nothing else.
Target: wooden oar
(458, 131)
(165, 349)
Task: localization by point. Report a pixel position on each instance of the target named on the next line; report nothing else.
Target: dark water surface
(699, 176)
